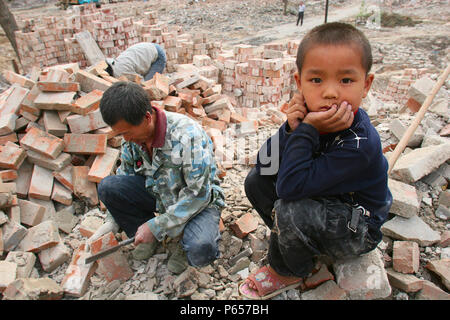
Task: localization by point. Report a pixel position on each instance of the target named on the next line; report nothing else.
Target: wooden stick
(420, 114)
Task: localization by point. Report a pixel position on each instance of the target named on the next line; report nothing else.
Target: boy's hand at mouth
(295, 111)
(332, 120)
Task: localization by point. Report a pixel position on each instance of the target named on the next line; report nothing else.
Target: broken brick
(33, 289)
(82, 187)
(11, 156)
(114, 266)
(65, 177)
(53, 257)
(40, 237)
(78, 274)
(7, 274)
(13, 233)
(24, 260)
(31, 213)
(244, 225)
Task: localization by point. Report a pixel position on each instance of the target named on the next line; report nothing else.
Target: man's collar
(160, 128)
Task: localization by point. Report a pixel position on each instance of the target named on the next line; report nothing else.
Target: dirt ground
(252, 22)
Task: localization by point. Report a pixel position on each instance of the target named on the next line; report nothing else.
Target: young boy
(323, 173)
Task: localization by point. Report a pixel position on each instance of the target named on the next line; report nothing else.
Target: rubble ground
(43, 231)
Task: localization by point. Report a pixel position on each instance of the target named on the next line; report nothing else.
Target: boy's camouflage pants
(307, 228)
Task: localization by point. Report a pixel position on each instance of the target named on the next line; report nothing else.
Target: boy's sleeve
(301, 175)
(197, 159)
(269, 155)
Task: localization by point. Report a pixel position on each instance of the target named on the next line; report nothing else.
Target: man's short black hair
(335, 33)
(109, 69)
(124, 100)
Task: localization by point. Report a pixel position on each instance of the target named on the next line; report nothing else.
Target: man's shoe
(143, 251)
(178, 260)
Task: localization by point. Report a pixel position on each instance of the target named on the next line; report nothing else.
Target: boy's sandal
(268, 285)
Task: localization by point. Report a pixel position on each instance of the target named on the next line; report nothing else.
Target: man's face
(137, 134)
(332, 74)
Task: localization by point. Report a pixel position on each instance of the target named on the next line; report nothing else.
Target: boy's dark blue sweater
(312, 165)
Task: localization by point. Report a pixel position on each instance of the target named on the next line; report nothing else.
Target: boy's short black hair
(335, 33)
(124, 100)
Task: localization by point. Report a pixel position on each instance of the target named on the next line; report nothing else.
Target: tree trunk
(285, 6)
(9, 25)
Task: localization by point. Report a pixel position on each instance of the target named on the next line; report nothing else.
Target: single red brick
(114, 266)
(76, 279)
(319, 277)
(413, 105)
(103, 165)
(58, 86)
(244, 225)
(43, 142)
(406, 256)
(41, 184)
(85, 143)
(237, 118)
(13, 77)
(172, 103)
(87, 103)
(8, 175)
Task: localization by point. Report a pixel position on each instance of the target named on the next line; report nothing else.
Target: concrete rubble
(55, 149)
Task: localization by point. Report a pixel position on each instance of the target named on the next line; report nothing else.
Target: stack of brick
(292, 47)
(75, 53)
(54, 146)
(206, 68)
(185, 49)
(226, 77)
(151, 31)
(170, 47)
(44, 46)
(399, 85)
(265, 80)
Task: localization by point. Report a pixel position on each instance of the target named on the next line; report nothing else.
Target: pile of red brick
(55, 146)
(53, 40)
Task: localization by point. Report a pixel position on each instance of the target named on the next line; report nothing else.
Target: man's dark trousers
(300, 16)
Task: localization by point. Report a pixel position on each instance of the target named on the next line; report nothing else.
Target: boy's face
(332, 74)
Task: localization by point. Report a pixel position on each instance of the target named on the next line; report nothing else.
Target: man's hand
(333, 120)
(295, 111)
(144, 235)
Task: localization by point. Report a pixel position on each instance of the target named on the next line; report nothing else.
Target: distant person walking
(301, 11)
